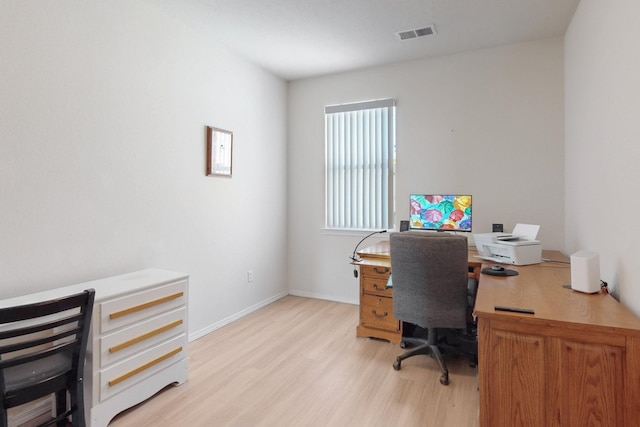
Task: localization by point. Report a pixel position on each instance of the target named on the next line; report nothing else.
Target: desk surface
(378, 254)
(539, 287)
(542, 287)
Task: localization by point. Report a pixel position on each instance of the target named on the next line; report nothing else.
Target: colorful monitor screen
(441, 212)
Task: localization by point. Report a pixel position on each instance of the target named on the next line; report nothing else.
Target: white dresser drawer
(130, 371)
(137, 337)
(134, 308)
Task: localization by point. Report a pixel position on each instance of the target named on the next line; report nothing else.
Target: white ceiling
(304, 38)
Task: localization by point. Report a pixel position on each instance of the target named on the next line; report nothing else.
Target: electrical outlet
(250, 276)
(498, 228)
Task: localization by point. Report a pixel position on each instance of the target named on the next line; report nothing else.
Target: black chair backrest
(430, 272)
(43, 346)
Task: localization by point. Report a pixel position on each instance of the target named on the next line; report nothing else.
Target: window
(359, 162)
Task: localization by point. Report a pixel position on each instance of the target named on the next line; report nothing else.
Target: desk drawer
(128, 341)
(377, 312)
(134, 308)
(375, 271)
(376, 285)
(141, 366)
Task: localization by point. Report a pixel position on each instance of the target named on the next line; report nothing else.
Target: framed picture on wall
(219, 151)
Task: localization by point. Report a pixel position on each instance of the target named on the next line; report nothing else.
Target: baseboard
(202, 332)
(323, 297)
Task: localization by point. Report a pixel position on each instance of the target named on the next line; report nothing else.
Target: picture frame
(219, 152)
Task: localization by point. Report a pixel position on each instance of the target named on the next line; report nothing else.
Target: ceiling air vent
(418, 32)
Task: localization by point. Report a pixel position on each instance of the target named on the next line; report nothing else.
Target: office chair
(432, 290)
(42, 352)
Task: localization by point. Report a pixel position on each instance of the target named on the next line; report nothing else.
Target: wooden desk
(376, 299)
(575, 362)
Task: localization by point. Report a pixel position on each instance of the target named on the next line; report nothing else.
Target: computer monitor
(440, 212)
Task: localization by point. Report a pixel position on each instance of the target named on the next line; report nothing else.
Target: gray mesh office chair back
(430, 287)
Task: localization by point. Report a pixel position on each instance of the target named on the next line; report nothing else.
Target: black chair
(432, 290)
(42, 352)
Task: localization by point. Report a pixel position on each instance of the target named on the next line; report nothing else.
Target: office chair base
(427, 349)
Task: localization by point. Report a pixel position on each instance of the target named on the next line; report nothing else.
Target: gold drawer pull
(144, 336)
(135, 308)
(143, 367)
(375, 286)
(379, 316)
(384, 270)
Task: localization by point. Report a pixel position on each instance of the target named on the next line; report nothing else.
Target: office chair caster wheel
(396, 364)
(444, 378)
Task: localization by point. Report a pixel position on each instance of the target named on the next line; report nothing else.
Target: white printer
(518, 248)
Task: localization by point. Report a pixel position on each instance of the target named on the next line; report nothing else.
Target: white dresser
(138, 341)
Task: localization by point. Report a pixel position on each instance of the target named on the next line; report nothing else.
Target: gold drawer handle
(379, 316)
(384, 270)
(144, 336)
(375, 286)
(143, 367)
(135, 308)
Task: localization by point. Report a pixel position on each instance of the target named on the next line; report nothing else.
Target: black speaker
(404, 225)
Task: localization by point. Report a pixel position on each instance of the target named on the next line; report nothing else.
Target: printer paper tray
(502, 260)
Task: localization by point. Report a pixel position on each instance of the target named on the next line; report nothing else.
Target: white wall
(103, 108)
(487, 122)
(602, 140)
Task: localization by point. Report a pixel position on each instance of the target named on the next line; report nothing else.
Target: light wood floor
(297, 362)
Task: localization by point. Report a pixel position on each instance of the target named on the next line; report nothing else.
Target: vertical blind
(359, 159)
